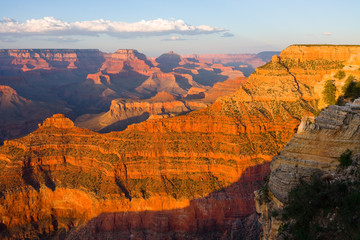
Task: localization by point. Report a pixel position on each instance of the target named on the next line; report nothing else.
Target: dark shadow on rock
(168, 61)
(122, 188)
(48, 179)
(4, 233)
(208, 78)
(123, 124)
(29, 177)
(183, 82)
(228, 213)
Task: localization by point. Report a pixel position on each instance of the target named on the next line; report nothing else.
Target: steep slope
(162, 164)
(315, 149)
(124, 112)
(20, 116)
(62, 176)
(85, 81)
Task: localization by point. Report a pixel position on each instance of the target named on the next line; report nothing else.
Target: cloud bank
(53, 26)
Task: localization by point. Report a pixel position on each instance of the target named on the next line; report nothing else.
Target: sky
(154, 27)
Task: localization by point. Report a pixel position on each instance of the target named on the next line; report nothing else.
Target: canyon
(86, 81)
(185, 177)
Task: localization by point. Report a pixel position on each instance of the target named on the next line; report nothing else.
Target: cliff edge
(314, 150)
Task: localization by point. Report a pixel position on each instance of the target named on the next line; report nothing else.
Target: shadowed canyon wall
(86, 81)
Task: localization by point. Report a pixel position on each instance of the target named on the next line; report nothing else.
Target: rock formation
(144, 182)
(315, 149)
(49, 59)
(183, 177)
(124, 112)
(87, 81)
(19, 115)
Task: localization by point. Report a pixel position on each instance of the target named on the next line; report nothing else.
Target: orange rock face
(190, 176)
(81, 82)
(74, 180)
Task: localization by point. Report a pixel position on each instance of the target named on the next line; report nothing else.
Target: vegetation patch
(329, 92)
(345, 158)
(323, 209)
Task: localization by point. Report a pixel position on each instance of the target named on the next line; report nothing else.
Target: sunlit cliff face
(186, 176)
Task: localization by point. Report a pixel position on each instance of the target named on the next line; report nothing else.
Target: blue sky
(158, 26)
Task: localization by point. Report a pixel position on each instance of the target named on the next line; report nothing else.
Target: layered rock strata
(315, 149)
(215, 157)
(85, 81)
(65, 179)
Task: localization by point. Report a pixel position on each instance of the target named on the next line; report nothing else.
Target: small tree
(329, 92)
(345, 158)
(348, 86)
(340, 75)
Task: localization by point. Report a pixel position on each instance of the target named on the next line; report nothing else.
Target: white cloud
(327, 33)
(174, 38)
(53, 26)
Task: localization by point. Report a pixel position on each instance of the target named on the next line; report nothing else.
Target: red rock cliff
(131, 183)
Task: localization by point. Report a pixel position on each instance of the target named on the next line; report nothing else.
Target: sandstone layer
(124, 112)
(86, 81)
(152, 171)
(143, 181)
(320, 142)
(314, 149)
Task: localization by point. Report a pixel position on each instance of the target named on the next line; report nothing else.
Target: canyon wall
(50, 59)
(319, 142)
(190, 176)
(86, 81)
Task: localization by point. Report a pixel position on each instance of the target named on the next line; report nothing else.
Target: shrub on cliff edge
(340, 75)
(345, 158)
(329, 92)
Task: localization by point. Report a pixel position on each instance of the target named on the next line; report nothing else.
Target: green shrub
(349, 84)
(340, 75)
(311, 205)
(345, 158)
(329, 92)
(274, 213)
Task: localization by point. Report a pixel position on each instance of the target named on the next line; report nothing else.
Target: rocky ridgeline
(147, 183)
(49, 59)
(314, 149)
(192, 176)
(80, 81)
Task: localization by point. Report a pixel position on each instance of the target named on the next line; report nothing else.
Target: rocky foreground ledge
(314, 149)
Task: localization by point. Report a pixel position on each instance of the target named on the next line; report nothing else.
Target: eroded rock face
(203, 166)
(124, 112)
(81, 82)
(303, 70)
(149, 183)
(315, 149)
(215, 157)
(49, 59)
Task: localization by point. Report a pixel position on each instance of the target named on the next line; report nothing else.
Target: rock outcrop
(50, 59)
(145, 182)
(87, 81)
(202, 166)
(315, 149)
(124, 112)
(19, 115)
